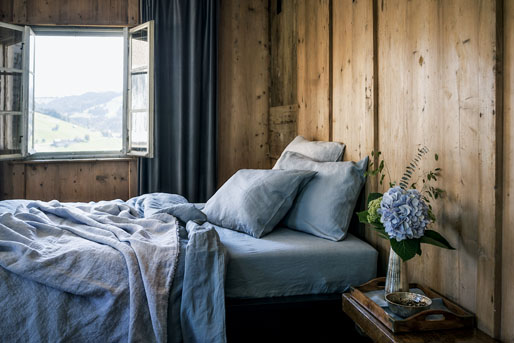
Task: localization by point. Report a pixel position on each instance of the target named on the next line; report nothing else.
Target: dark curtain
(186, 53)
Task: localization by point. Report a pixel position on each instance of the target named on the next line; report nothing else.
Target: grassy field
(56, 135)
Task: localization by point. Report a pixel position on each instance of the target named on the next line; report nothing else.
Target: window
(75, 92)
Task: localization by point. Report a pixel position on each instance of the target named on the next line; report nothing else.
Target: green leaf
(363, 217)
(406, 249)
(373, 196)
(419, 250)
(435, 238)
(436, 157)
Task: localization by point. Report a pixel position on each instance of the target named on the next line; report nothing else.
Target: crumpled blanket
(105, 272)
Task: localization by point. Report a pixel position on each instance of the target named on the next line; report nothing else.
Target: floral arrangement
(402, 214)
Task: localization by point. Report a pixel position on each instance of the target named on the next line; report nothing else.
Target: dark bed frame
(303, 318)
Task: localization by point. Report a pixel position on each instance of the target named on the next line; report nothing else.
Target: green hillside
(56, 135)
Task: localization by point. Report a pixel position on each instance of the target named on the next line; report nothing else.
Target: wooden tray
(457, 317)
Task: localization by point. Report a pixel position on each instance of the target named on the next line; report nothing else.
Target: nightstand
(370, 326)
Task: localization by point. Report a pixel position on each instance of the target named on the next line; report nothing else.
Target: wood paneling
(284, 37)
(353, 77)
(6, 11)
(72, 12)
(313, 24)
(282, 128)
(437, 88)
(74, 180)
(244, 82)
(508, 164)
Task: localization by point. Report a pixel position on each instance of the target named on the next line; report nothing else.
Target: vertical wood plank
(6, 11)
(19, 8)
(507, 311)
(18, 180)
(354, 84)
(353, 91)
(283, 54)
(313, 20)
(244, 83)
(43, 181)
(133, 177)
(490, 142)
(133, 14)
(110, 181)
(282, 128)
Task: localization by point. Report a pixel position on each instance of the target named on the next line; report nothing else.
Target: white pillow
(315, 150)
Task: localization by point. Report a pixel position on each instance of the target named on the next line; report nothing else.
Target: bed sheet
(287, 262)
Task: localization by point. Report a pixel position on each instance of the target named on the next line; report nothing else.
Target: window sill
(73, 160)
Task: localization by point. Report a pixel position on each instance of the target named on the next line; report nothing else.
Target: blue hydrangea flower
(404, 214)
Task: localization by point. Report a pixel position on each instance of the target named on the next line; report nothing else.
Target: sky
(67, 65)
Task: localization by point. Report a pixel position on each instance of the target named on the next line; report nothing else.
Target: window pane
(139, 84)
(140, 50)
(11, 53)
(10, 91)
(10, 130)
(30, 114)
(139, 131)
(78, 93)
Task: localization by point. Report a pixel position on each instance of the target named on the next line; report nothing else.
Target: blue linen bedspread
(110, 272)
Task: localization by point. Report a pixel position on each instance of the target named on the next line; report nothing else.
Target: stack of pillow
(308, 190)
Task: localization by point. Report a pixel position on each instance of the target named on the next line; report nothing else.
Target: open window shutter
(140, 90)
(14, 55)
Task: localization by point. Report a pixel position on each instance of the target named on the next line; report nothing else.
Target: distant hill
(88, 110)
(52, 134)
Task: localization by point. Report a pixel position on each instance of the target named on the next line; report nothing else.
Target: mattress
(287, 262)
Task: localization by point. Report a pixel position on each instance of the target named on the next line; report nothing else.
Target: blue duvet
(110, 272)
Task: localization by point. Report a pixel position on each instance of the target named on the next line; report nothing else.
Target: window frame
(149, 26)
(86, 31)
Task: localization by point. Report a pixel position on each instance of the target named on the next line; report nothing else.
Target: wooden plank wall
(507, 309)
(244, 83)
(6, 11)
(403, 73)
(437, 88)
(70, 180)
(71, 12)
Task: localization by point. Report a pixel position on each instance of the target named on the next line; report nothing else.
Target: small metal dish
(406, 304)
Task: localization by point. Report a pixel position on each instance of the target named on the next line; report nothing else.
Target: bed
(157, 268)
(281, 265)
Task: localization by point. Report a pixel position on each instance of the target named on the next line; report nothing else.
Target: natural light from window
(78, 93)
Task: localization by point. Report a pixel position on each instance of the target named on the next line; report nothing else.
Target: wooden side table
(380, 334)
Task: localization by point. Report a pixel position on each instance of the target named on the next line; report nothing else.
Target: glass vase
(396, 280)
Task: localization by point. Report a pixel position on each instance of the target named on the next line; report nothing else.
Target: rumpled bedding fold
(99, 271)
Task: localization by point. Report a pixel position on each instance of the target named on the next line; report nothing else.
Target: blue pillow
(254, 201)
(315, 150)
(325, 206)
